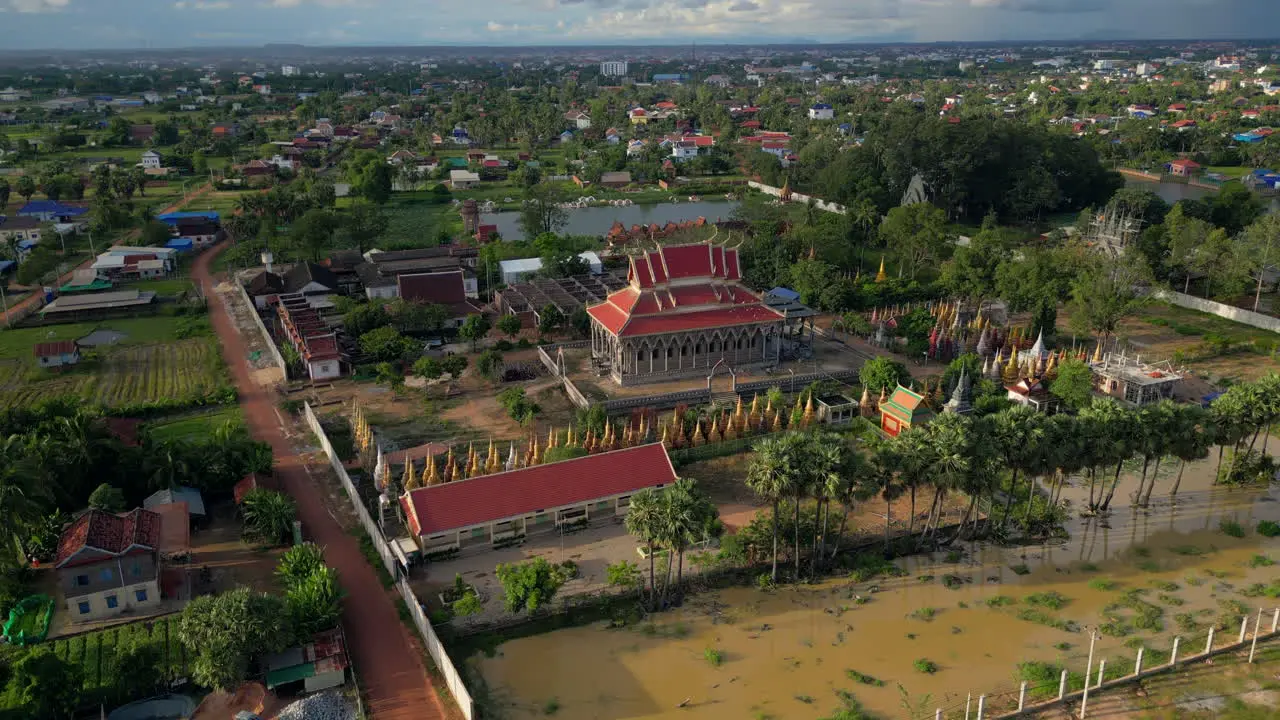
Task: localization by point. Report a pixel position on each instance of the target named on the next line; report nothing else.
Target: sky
(85, 24)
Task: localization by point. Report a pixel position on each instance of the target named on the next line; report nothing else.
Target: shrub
(925, 666)
(863, 679)
(1269, 528)
(1051, 599)
(268, 515)
(1000, 601)
(1103, 584)
(1231, 528)
(530, 585)
(713, 656)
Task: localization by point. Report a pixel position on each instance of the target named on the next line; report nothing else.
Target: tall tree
(773, 472)
(917, 233)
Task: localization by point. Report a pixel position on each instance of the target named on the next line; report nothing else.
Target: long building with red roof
(491, 508)
(683, 310)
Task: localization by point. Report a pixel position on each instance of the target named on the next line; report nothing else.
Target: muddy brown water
(786, 654)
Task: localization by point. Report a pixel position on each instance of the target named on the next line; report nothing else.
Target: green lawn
(1231, 172)
(1193, 323)
(161, 287)
(195, 426)
(19, 342)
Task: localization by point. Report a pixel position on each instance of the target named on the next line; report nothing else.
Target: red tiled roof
(111, 535)
(610, 316)
(57, 347)
(685, 261)
(700, 320)
(489, 498)
(437, 287)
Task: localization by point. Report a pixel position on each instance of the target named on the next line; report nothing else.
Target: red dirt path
(392, 675)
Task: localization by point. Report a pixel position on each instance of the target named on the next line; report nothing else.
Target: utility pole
(1262, 269)
(1084, 699)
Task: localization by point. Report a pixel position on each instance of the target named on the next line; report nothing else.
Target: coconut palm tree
(22, 496)
(950, 453)
(915, 466)
(1108, 427)
(687, 514)
(886, 465)
(1016, 434)
(828, 471)
(771, 475)
(1229, 413)
(644, 522)
(1158, 422)
(1191, 436)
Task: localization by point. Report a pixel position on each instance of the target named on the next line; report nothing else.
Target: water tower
(266, 259)
(470, 217)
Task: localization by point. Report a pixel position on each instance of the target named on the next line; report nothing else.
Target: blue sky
(31, 24)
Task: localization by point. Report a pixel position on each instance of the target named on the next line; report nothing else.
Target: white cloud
(203, 4)
(38, 6)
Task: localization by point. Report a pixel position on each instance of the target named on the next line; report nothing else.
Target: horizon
(104, 25)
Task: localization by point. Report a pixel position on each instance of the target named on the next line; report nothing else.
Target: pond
(949, 626)
(597, 220)
(1170, 192)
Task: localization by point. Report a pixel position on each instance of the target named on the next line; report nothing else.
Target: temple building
(683, 312)
(902, 411)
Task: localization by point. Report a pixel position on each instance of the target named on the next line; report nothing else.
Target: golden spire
(666, 439)
(386, 476)
(808, 412)
(715, 433)
(1097, 354)
(492, 463)
(777, 421)
(430, 476)
(880, 276)
(1010, 374)
(408, 479)
(698, 439)
(457, 474)
(535, 455)
(551, 437)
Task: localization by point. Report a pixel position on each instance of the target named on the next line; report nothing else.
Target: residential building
(264, 288)
(613, 68)
(1129, 379)
(56, 354)
(309, 280)
(463, 179)
(821, 111)
(151, 160)
(109, 564)
(517, 502)
(684, 311)
(290, 70)
(1182, 167)
(445, 288)
(639, 116)
(52, 211)
(580, 120)
(19, 229)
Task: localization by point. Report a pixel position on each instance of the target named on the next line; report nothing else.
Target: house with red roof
(446, 288)
(482, 510)
(109, 564)
(1182, 167)
(683, 312)
(57, 353)
(315, 342)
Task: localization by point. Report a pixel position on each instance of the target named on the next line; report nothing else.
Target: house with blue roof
(51, 211)
(1262, 178)
(175, 218)
(821, 111)
(1248, 137)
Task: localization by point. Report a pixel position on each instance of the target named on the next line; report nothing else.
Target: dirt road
(20, 310)
(392, 674)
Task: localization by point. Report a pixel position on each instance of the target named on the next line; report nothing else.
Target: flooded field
(950, 625)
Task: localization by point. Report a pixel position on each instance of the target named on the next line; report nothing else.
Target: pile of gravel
(328, 705)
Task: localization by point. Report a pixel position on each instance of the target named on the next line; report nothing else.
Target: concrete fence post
(1022, 696)
(1137, 664)
(1275, 620)
(1244, 628)
(1062, 685)
(967, 701)
(982, 700)
(937, 714)
(1257, 630)
(1208, 646)
(1173, 657)
(1102, 672)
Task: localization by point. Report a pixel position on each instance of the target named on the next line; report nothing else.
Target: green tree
(225, 632)
(473, 329)
(454, 365)
(375, 183)
(510, 325)
(26, 187)
(529, 585)
(386, 344)
(5, 192)
(107, 498)
(46, 686)
(268, 515)
(490, 364)
(364, 222)
(312, 234)
(882, 374)
(298, 563)
(644, 522)
(774, 474)
(550, 320)
(314, 602)
(917, 233)
(155, 234)
(1102, 296)
(365, 317)
(1074, 384)
(427, 367)
(540, 211)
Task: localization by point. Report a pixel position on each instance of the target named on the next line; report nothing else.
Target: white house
(462, 179)
(683, 150)
(151, 160)
(580, 120)
(821, 111)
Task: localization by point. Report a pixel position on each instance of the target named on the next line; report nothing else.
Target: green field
(165, 287)
(105, 679)
(152, 364)
(196, 426)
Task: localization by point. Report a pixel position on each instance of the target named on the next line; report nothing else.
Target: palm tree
(1109, 429)
(772, 474)
(886, 464)
(686, 516)
(1016, 434)
(1158, 422)
(829, 474)
(915, 462)
(268, 514)
(644, 521)
(1192, 435)
(855, 485)
(949, 450)
(22, 499)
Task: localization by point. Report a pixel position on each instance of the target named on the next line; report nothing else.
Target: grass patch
(196, 426)
(1258, 561)
(951, 582)
(551, 707)
(863, 678)
(1164, 585)
(1000, 601)
(1186, 622)
(1088, 567)
(1269, 528)
(1041, 617)
(925, 665)
(713, 656)
(1171, 600)
(1020, 569)
(1150, 566)
(925, 578)
(1103, 584)
(806, 699)
(954, 556)
(1262, 590)
(1051, 599)
(1063, 646)
(1231, 528)
(927, 614)
(1043, 679)
(1186, 550)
